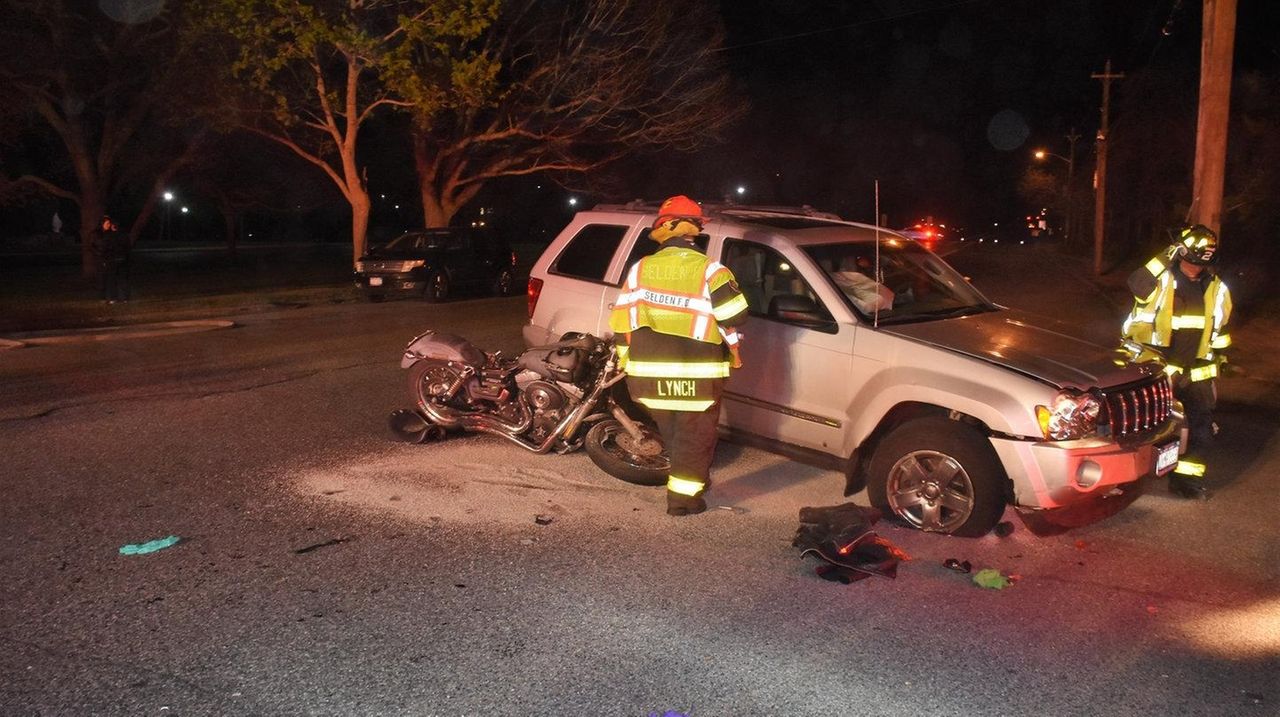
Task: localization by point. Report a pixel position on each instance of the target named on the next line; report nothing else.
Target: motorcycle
(541, 400)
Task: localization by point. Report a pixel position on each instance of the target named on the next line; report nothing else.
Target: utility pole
(1216, 45)
(1100, 179)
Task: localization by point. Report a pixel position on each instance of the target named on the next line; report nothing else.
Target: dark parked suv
(433, 262)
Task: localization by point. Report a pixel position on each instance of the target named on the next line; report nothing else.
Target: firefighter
(1180, 316)
(673, 323)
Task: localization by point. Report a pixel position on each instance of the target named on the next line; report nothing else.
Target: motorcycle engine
(549, 402)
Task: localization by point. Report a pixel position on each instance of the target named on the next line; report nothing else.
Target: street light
(1042, 154)
(164, 223)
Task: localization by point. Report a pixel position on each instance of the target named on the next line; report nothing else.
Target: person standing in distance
(1180, 317)
(673, 324)
(112, 248)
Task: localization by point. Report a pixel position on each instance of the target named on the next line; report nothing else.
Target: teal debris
(150, 546)
(991, 579)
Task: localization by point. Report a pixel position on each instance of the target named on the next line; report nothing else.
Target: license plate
(1166, 458)
(375, 281)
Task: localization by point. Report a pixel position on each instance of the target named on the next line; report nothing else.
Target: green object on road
(150, 546)
(991, 579)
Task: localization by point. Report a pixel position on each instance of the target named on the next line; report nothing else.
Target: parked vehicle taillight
(535, 290)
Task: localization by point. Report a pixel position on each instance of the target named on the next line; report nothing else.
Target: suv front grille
(1139, 407)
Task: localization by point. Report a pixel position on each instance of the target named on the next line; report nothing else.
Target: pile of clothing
(841, 537)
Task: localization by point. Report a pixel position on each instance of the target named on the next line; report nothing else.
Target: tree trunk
(91, 211)
(436, 212)
(359, 222)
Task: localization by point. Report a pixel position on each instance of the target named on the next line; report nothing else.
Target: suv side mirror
(798, 309)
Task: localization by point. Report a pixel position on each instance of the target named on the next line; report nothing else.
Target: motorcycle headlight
(1071, 415)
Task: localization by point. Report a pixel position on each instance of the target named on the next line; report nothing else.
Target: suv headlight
(1072, 414)
(414, 264)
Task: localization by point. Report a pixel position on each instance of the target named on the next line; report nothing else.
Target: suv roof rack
(637, 205)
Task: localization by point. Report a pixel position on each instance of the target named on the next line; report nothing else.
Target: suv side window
(588, 253)
(764, 276)
(645, 245)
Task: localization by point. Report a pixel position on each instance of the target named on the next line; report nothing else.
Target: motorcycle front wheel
(616, 452)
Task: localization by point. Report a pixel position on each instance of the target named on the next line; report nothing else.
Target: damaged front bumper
(1057, 475)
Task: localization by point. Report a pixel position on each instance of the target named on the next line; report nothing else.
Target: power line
(784, 38)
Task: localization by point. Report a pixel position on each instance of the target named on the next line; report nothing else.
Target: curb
(113, 333)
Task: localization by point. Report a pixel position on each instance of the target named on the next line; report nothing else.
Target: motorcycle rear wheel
(615, 452)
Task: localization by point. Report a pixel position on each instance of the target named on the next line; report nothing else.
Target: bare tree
(110, 88)
(310, 75)
(569, 87)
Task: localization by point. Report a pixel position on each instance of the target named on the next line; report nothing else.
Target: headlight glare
(1072, 415)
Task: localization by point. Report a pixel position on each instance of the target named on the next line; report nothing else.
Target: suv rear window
(588, 253)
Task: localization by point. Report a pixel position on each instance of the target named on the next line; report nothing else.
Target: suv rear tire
(503, 283)
(939, 476)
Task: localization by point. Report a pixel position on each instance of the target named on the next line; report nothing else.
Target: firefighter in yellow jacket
(1180, 316)
(674, 323)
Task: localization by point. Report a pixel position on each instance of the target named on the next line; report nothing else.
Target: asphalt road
(324, 569)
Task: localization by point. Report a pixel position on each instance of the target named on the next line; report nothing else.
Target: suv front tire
(938, 475)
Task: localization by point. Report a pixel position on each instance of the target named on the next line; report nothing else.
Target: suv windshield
(914, 284)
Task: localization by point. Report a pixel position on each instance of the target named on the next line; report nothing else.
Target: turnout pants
(690, 438)
(1198, 399)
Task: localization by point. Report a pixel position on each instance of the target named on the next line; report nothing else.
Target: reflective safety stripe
(1189, 468)
(700, 326)
(1155, 266)
(669, 404)
(730, 308)
(684, 486)
(664, 300)
(675, 369)
(1202, 373)
(1188, 321)
(1221, 341)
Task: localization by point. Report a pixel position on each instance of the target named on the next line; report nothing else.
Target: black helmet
(1198, 245)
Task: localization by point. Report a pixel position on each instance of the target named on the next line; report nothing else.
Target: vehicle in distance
(945, 406)
(435, 263)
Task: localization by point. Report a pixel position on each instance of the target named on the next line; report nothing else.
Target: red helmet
(678, 216)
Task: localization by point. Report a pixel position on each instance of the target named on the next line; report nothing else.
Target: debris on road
(957, 565)
(543, 519)
(841, 535)
(150, 546)
(991, 579)
(325, 544)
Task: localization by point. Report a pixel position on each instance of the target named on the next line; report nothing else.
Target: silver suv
(867, 353)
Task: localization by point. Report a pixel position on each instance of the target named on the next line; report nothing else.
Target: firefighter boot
(1187, 479)
(678, 504)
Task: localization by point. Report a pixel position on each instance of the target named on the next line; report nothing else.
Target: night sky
(942, 101)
